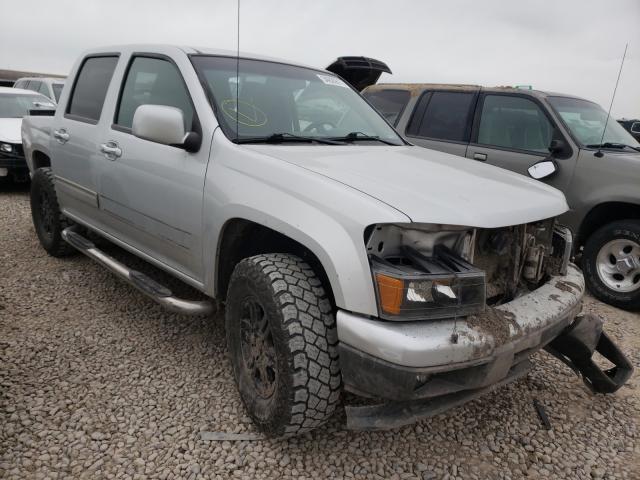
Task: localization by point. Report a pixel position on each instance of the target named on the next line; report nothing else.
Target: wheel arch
(241, 238)
(603, 214)
(40, 160)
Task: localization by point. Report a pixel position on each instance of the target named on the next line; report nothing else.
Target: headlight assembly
(6, 147)
(416, 287)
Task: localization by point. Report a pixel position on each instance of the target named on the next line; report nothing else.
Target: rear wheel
(612, 264)
(282, 342)
(48, 220)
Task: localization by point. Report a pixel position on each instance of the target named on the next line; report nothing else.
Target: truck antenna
(604, 130)
(238, 74)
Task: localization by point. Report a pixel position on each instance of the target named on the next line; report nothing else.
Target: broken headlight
(412, 286)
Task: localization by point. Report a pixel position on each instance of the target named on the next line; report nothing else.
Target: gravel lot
(96, 381)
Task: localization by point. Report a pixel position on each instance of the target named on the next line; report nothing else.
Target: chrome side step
(157, 292)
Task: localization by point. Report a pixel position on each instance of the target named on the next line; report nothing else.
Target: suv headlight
(6, 147)
(417, 287)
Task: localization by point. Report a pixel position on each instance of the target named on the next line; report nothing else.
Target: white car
(50, 87)
(15, 104)
(346, 258)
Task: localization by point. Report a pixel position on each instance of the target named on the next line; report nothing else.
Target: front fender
(325, 216)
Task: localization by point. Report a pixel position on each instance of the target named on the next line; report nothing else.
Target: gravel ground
(97, 381)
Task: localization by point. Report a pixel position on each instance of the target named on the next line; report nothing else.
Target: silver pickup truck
(346, 259)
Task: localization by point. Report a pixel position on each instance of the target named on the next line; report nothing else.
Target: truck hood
(429, 186)
(10, 130)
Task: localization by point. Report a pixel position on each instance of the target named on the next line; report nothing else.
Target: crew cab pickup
(345, 258)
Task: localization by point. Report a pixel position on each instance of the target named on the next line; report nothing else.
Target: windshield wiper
(361, 136)
(612, 145)
(287, 137)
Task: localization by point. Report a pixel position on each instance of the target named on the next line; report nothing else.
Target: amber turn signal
(391, 291)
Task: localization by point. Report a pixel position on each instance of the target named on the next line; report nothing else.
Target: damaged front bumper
(420, 369)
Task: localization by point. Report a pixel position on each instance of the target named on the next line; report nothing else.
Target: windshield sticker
(248, 114)
(331, 80)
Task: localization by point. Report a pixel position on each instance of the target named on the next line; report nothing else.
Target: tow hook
(575, 347)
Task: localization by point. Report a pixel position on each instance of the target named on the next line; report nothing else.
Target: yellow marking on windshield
(254, 117)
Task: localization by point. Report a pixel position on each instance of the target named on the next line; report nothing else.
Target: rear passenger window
(445, 117)
(153, 81)
(390, 103)
(515, 123)
(91, 87)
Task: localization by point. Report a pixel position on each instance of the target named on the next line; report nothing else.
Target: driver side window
(153, 81)
(514, 123)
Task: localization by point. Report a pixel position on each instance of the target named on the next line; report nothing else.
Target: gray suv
(515, 129)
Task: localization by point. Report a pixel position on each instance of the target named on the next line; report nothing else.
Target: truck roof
(17, 91)
(417, 88)
(166, 48)
(40, 79)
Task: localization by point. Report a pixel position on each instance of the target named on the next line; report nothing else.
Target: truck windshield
(288, 103)
(18, 105)
(586, 120)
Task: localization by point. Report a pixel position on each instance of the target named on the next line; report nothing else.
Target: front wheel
(48, 220)
(611, 263)
(282, 341)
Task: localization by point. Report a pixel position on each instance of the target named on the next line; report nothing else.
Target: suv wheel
(612, 264)
(48, 221)
(282, 340)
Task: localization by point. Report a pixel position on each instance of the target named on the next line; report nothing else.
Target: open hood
(360, 72)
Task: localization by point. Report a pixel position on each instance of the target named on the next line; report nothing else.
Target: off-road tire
(624, 229)
(48, 220)
(303, 331)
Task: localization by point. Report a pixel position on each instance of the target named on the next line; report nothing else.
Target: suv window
(57, 90)
(91, 87)
(20, 84)
(515, 123)
(390, 103)
(44, 90)
(34, 85)
(153, 81)
(445, 117)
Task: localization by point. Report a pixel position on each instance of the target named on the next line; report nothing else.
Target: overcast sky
(569, 46)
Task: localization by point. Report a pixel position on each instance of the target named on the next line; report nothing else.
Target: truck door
(153, 192)
(442, 121)
(76, 131)
(514, 131)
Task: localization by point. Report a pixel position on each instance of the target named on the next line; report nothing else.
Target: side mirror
(165, 125)
(543, 169)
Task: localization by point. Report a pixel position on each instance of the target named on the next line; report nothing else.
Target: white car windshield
(586, 120)
(290, 103)
(17, 105)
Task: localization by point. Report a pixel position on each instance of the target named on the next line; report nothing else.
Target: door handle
(482, 157)
(61, 135)
(111, 150)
